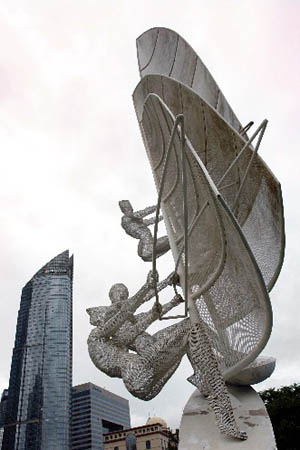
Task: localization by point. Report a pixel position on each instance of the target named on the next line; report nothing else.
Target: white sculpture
(120, 346)
(170, 68)
(223, 212)
(258, 208)
(136, 226)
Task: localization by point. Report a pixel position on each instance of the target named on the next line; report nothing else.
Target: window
(148, 444)
(116, 448)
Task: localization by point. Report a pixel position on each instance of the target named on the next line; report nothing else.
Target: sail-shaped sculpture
(163, 51)
(233, 306)
(224, 280)
(213, 130)
(222, 208)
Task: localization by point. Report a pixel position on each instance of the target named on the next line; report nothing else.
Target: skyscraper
(3, 406)
(96, 411)
(39, 394)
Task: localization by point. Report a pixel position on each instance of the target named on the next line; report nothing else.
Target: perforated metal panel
(223, 277)
(259, 209)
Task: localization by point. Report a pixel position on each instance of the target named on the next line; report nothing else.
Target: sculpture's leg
(198, 380)
(211, 383)
(140, 378)
(104, 355)
(165, 347)
(158, 357)
(145, 246)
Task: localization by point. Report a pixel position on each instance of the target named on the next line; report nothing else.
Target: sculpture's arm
(151, 221)
(147, 291)
(99, 315)
(145, 212)
(143, 320)
(111, 326)
(138, 299)
(176, 300)
(125, 313)
(171, 279)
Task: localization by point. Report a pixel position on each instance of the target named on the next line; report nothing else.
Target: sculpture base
(198, 430)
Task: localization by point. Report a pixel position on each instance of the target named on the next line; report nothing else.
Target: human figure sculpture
(152, 358)
(136, 226)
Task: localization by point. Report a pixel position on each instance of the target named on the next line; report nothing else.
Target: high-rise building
(96, 411)
(39, 394)
(3, 406)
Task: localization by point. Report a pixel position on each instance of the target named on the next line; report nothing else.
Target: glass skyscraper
(3, 406)
(39, 395)
(96, 411)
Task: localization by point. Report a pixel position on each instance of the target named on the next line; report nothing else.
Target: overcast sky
(71, 148)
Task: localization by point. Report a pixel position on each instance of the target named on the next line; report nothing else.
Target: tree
(283, 406)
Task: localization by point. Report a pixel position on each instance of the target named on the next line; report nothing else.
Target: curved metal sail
(224, 281)
(258, 208)
(163, 51)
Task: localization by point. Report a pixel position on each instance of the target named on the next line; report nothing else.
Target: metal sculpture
(257, 206)
(222, 209)
(136, 226)
(120, 346)
(170, 68)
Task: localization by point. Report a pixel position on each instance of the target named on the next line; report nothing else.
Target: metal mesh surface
(163, 51)
(223, 279)
(259, 209)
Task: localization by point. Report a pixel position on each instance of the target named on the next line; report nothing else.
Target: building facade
(154, 436)
(96, 411)
(39, 394)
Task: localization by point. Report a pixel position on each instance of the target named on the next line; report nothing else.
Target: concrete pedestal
(198, 430)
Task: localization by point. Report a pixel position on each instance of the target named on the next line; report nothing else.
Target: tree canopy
(283, 406)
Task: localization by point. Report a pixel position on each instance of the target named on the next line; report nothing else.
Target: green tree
(283, 406)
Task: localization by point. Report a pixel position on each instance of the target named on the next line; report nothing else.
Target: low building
(155, 435)
(96, 411)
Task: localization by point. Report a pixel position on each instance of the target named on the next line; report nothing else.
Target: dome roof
(156, 419)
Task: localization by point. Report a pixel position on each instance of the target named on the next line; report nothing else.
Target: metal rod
(185, 214)
(247, 144)
(246, 128)
(228, 185)
(178, 119)
(262, 128)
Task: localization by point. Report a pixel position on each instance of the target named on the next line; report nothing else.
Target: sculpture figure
(136, 226)
(222, 209)
(120, 346)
